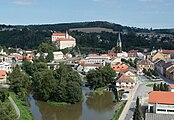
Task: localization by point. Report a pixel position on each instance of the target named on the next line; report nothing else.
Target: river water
(93, 107)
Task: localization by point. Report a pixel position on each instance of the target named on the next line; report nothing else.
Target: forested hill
(31, 36)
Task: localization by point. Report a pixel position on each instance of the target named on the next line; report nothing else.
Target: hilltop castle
(63, 40)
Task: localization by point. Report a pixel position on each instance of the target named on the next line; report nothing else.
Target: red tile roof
(58, 34)
(65, 39)
(144, 62)
(125, 78)
(2, 72)
(170, 69)
(161, 97)
(168, 51)
(171, 86)
(23, 57)
(119, 67)
(111, 54)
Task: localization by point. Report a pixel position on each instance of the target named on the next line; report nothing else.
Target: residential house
(122, 54)
(170, 72)
(3, 76)
(161, 102)
(120, 67)
(167, 66)
(171, 52)
(159, 65)
(161, 56)
(124, 81)
(58, 55)
(95, 59)
(132, 73)
(6, 66)
(144, 64)
(115, 60)
(87, 67)
(132, 54)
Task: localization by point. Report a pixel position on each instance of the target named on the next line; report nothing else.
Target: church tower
(119, 44)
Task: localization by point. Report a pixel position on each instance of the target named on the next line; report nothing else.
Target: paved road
(128, 104)
(15, 106)
(141, 91)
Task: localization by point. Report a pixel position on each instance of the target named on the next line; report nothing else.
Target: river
(93, 107)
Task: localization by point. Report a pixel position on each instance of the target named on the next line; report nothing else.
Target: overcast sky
(136, 13)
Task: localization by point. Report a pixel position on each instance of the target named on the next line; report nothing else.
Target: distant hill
(97, 36)
(92, 30)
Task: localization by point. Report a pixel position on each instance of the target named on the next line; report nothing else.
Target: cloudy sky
(136, 13)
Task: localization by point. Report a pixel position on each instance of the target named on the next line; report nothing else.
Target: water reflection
(93, 107)
(100, 103)
(69, 112)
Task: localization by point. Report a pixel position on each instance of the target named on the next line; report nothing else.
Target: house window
(161, 110)
(127, 83)
(170, 110)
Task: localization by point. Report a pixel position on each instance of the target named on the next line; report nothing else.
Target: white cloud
(22, 2)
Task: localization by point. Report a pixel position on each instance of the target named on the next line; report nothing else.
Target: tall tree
(154, 87)
(161, 87)
(44, 84)
(49, 57)
(19, 82)
(114, 89)
(166, 87)
(138, 113)
(100, 77)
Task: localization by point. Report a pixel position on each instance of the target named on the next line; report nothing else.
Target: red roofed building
(3, 76)
(168, 51)
(120, 67)
(63, 40)
(125, 81)
(161, 102)
(170, 72)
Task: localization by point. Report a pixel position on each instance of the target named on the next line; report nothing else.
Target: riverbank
(100, 91)
(58, 103)
(25, 113)
(119, 110)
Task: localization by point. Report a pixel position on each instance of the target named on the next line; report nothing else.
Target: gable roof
(144, 62)
(2, 72)
(171, 86)
(125, 78)
(161, 97)
(120, 67)
(170, 70)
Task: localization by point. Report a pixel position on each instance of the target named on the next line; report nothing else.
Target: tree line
(160, 87)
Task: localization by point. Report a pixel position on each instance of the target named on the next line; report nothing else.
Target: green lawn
(149, 85)
(119, 111)
(100, 91)
(25, 113)
(154, 80)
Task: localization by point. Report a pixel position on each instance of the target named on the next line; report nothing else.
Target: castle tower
(119, 44)
(66, 34)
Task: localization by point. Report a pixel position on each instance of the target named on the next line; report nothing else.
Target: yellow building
(161, 56)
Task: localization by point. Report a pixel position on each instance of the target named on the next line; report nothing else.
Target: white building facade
(63, 40)
(161, 102)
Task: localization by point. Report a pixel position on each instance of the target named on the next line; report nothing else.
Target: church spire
(119, 44)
